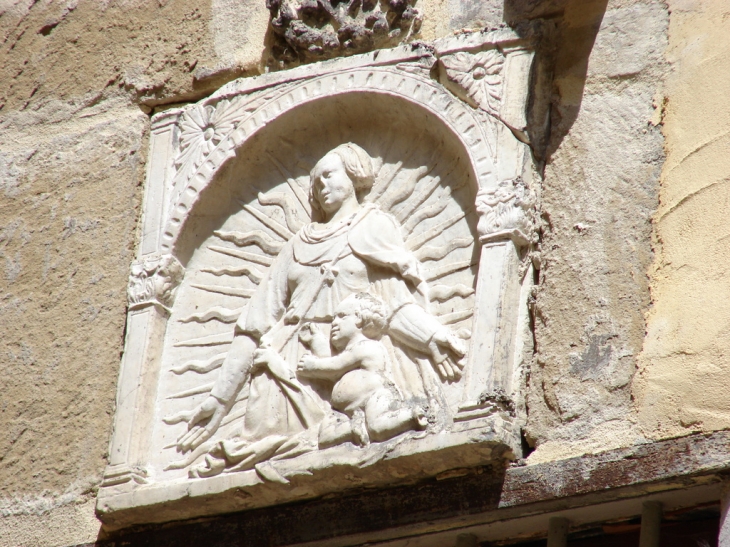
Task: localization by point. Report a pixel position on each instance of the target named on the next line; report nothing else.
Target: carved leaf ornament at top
(479, 76)
(310, 30)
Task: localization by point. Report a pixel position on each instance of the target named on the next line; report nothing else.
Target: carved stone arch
(457, 118)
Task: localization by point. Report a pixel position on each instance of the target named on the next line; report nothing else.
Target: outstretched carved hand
(447, 351)
(200, 430)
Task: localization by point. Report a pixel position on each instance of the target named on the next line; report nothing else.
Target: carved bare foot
(212, 467)
(421, 416)
(359, 430)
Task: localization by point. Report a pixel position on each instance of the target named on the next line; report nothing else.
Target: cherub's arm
(329, 368)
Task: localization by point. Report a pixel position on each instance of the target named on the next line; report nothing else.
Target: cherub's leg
(387, 417)
(335, 429)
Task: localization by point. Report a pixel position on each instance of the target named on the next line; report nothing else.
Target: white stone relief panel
(420, 209)
(336, 287)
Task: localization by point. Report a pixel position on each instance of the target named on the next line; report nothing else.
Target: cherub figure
(361, 391)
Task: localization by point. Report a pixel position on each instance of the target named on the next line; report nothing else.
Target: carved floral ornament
(201, 129)
(335, 311)
(306, 30)
(478, 77)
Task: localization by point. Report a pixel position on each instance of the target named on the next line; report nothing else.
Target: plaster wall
(684, 369)
(73, 140)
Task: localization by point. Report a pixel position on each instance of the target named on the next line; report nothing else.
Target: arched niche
(411, 92)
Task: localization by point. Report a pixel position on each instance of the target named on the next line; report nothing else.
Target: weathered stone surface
(65, 249)
(147, 49)
(317, 30)
(600, 190)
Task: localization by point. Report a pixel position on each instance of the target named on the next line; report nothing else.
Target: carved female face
(331, 186)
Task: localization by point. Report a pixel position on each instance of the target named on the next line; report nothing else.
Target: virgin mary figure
(349, 247)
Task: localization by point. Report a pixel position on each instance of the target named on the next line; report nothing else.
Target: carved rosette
(506, 211)
(476, 78)
(154, 281)
(201, 129)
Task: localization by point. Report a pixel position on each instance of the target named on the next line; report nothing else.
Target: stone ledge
(312, 475)
(478, 496)
(663, 461)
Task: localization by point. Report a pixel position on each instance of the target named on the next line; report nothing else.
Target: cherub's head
(358, 313)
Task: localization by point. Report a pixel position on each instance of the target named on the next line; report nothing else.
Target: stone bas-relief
(331, 290)
(354, 249)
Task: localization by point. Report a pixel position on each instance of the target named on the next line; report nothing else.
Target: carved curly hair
(359, 168)
(372, 313)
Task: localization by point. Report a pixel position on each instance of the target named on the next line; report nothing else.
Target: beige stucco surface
(73, 143)
(685, 367)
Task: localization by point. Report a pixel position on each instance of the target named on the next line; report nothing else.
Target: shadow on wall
(577, 23)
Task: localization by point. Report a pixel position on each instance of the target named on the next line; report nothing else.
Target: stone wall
(631, 269)
(600, 190)
(72, 161)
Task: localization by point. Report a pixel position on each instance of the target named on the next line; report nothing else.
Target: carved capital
(505, 211)
(154, 281)
(475, 78)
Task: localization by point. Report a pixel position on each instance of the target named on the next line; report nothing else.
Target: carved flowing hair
(372, 314)
(359, 168)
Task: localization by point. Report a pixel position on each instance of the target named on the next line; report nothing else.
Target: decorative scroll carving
(506, 209)
(476, 77)
(319, 29)
(154, 280)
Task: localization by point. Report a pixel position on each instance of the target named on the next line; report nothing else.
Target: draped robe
(363, 253)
